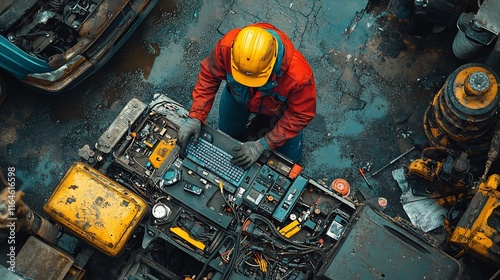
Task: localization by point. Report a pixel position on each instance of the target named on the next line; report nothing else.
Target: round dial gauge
(161, 211)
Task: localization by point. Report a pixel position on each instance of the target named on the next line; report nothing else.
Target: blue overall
(233, 115)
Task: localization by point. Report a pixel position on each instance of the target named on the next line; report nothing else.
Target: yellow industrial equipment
(462, 115)
(425, 168)
(95, 208)
(450, 176)
(478, 231)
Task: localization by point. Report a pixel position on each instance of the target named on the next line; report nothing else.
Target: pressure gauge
(161, 212)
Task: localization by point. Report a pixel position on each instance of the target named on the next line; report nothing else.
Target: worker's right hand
(190, 127)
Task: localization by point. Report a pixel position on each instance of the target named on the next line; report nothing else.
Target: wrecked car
(52, 45)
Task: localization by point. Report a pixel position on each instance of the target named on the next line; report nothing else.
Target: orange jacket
(293, 99)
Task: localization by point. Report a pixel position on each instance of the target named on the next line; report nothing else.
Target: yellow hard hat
(253, 56)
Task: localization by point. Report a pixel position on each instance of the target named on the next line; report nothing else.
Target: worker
(264, 75)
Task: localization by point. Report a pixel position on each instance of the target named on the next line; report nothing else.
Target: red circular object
(341, 186)
(382, 201)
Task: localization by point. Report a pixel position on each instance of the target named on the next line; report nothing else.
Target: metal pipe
(394, 160)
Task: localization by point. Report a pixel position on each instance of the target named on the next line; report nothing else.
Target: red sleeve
(212, 72)
(301, 109)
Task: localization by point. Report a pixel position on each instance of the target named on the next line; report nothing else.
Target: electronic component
(216, 160)
(161, 152)
(192, 188)
(291, 229)
(279, 165)
(201, 173)
(266, 190)
(193, 230)
(172, 176)
(337, 227)
(290, 198)
(149, 148)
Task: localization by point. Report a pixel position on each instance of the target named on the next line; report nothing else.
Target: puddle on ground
(349, 128)
(137, 53)
(167, 64)
(329, 155)
(375, 109)
(112, 94)
(349, 25)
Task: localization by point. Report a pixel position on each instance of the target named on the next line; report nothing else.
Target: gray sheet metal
(375, 247)
(120, 125)
(488, 16)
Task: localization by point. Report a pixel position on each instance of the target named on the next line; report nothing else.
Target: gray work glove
(190, 127)
(245, 155)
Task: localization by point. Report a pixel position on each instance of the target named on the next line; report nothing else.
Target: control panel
(273, 222)
(266, 190)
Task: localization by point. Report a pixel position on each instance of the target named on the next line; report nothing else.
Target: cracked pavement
(364, 65)
(374, 83)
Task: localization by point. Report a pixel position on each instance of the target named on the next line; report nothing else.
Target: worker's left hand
(248, 153)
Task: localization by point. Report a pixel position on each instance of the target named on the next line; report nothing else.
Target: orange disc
(341, 186)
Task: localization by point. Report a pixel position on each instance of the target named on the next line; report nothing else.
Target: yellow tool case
(95, 208)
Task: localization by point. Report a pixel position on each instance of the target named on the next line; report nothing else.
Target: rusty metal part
(120, 125)
(462, 115)
(23, 217)
(39, 260)
(40, 227)
(8, 211)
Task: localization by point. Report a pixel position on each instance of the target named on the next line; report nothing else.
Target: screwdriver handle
(364, 178)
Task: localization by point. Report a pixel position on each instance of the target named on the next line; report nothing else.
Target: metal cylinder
(40, 227)
(462, 114)
(463, 48)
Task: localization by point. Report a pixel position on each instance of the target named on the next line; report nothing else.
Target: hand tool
(364, 177)
(394, 160)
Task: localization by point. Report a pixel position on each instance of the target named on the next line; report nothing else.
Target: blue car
(52, 45)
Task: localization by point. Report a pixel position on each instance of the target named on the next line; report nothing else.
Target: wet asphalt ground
(374, 83)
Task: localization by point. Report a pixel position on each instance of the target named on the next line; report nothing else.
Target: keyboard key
(216, 160)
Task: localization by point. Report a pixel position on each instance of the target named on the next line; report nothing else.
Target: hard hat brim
(249, 80)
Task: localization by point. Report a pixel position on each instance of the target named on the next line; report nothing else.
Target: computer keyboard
(216, 160)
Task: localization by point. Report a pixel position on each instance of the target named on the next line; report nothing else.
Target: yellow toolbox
(95, 208)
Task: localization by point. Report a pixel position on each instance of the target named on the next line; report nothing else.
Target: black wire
(277, 234)
(327, 221)
(236, 249)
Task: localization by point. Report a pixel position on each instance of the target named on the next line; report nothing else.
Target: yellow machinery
(450, 176)
(95, 208)
(478, 231)
(462, 115)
